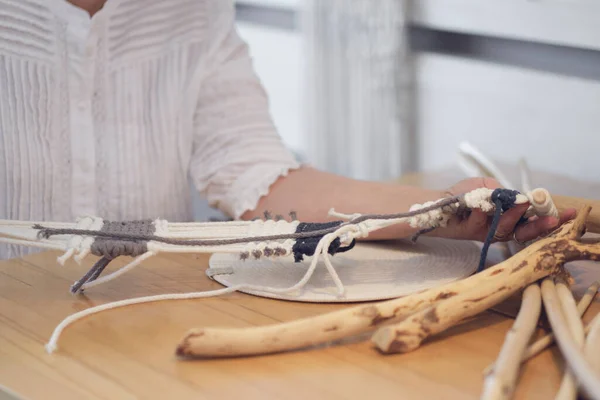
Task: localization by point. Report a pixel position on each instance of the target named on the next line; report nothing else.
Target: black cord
(503, 199)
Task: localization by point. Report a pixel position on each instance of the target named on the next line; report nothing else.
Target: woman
(109, 107)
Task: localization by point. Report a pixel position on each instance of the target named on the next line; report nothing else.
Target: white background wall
(508, 113)
(541, 101)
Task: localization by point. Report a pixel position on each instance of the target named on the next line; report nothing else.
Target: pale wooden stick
(547, 340)
(592, 344)
(542, 343)
(567, 345)
(568, 386)
(500, 383)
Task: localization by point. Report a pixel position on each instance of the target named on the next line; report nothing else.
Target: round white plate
(370, 271)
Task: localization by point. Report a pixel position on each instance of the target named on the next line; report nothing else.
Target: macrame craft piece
(371, 271)
(268, 239)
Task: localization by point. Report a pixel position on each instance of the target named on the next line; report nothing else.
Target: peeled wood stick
(542, 343)
(500, 383)
(568, 347)
(568, 386)
(547, 340)
(592, 344)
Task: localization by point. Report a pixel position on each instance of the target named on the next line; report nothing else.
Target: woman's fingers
(476, 225)
(542, 226)
(534, 229)
(508, 222)
(567, 215)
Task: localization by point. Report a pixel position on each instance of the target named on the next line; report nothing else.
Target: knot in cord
(361, 229)
(503, 199)
(109, 249)
(306, 246)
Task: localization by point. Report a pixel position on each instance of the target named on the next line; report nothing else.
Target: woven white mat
(370, 271)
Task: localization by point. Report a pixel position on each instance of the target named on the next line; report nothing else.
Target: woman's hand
(475, 225)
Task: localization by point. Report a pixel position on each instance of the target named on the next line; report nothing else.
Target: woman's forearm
(311, 193)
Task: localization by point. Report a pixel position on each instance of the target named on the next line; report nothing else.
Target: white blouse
(114, 115)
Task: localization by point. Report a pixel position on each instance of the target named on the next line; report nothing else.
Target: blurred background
(377, 89)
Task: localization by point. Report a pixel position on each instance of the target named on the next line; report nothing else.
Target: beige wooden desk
(129, 352)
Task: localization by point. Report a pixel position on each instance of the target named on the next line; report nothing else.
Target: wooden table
(129, 352)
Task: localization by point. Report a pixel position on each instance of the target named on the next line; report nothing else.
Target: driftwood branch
(543, 258)
(424, 314)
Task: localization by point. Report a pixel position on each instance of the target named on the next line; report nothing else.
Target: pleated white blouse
(114, 115)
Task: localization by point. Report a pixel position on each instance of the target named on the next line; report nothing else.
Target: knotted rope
(310, 239)
(130, 238)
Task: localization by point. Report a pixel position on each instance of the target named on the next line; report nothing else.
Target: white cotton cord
(431, 219)
(521, 199)
(68, 254)
(525, 176)
(480, 198)
(137, 261)
(162, 227)
(254, 228)
(262, 228)
(75, 240)
(327, 239)
(347, 217)
(47, 244)
(79, 257)
(421, 220)
(334, 275)
(86, 244)
(175, 248)
(212, 271)
(51, 346)
(486, 167)
(361, 231)
(174, 226)
(468, 167)
(29, 224)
